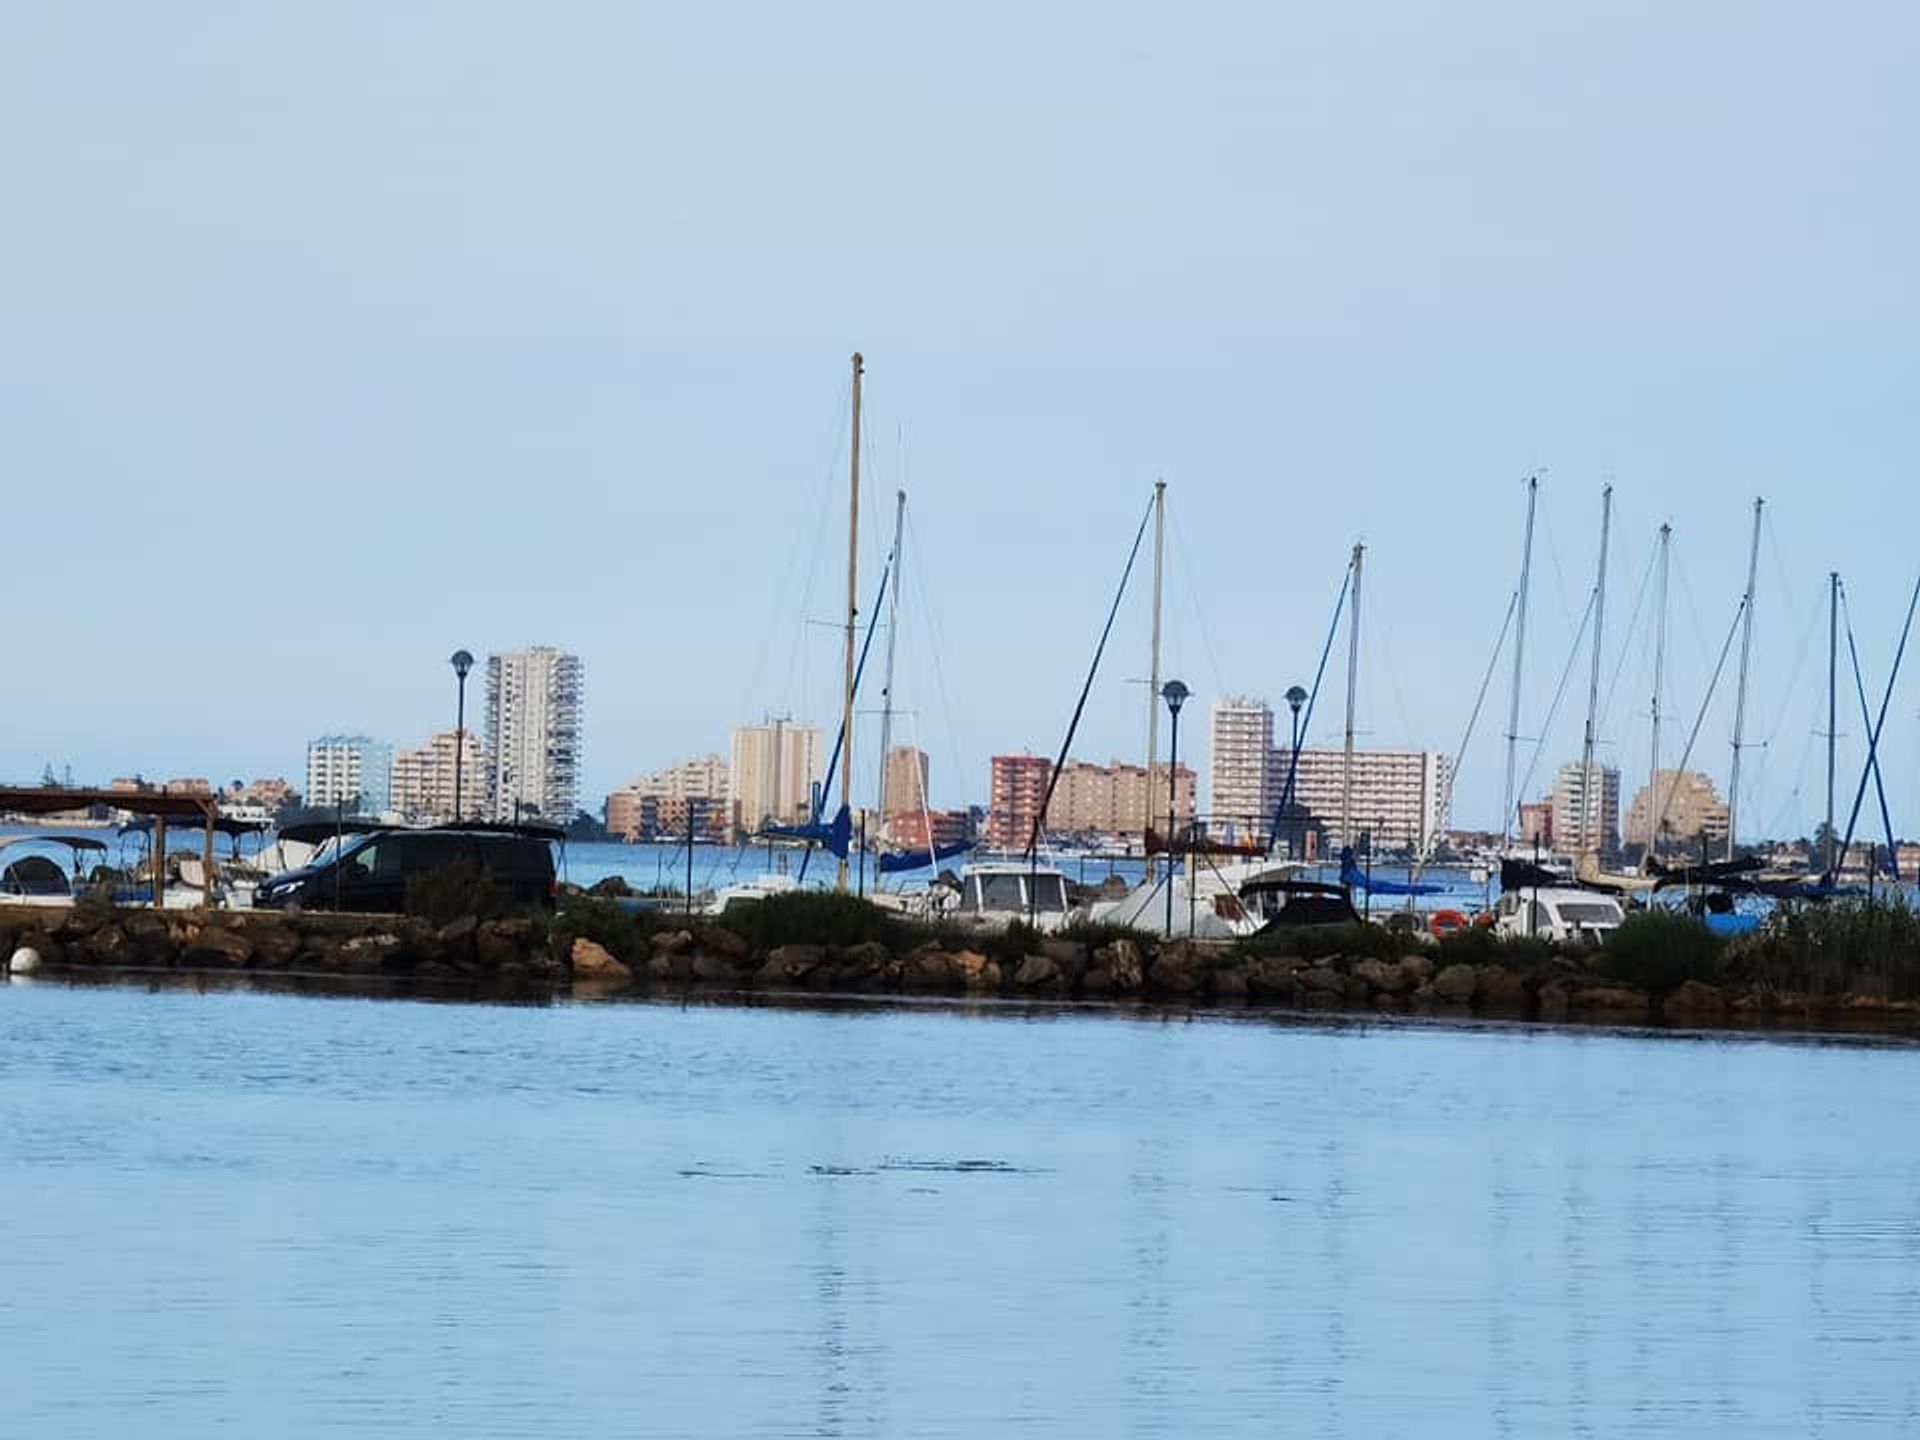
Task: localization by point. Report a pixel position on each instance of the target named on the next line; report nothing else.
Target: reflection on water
(281, 1215)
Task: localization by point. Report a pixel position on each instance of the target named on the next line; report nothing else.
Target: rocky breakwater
(503, 955)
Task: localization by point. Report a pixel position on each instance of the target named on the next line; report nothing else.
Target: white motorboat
(995, 894)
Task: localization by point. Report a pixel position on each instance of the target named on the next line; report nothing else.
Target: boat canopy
(1354, 878)
(72, 842)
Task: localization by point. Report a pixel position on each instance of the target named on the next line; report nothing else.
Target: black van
(368, 872)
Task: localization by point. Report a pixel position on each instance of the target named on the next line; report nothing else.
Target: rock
(1036, 972)
(671, 942)
(1384, 976)
(1069, 955)
(459, 931)
(274, 945)
(612, 887)
(790, 964)
(1272, 977)
(149, 944)
(1418, 969)
(1455, 984)
(1609, 1000)
(1552, 1002)
(1694, 1000)
(928, 968)
(713, 969)
(718, 940)
(1126, 974)
(593, 961)
(368, 954)
(1177, 970)
(496, 945)
(1500, 991)
(975, 971)
(1228, 982)
(216, 946)
(106, 946)
(1321, 980)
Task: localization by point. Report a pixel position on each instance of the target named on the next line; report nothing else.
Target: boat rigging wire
(1693, 735)
(1313, 695)
(1559, 694)
(1093, 671)
(1872, 766)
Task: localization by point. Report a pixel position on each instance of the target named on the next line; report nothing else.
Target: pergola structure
(196, 811)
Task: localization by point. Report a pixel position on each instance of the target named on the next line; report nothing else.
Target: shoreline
(542, 959)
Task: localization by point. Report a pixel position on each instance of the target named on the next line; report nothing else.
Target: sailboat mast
(1833, 712)
(1519, 660)
(1740, 697)
(893, 638)
(1659, 680)
(1589, 843)
(1153, 668)
(1353, 676)
(853, 611)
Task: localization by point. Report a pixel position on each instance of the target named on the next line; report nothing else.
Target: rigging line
(1559, 694)
(1814, 617)
(1700, 718)
(1193, 598)
(1382, 633)
(1093, 670)
(1626, 642)
(1553, 555)
(934, 648)
(1873, 757)
(1306, 724)
(1466, 738)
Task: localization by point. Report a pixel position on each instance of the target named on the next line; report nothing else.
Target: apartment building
(535, 700)
(350, 770)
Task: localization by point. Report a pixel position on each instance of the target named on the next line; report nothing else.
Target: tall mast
(1659, 679)
(1833, 716)
(893, 637)
(1589, 842)
(853, 611)
(1740, 697)
(1153, 669)
(1353, 675)
(1519, 660)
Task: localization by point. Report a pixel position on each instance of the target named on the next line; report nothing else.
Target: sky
(335, 338)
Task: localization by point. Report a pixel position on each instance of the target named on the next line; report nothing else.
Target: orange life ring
(1443, 923)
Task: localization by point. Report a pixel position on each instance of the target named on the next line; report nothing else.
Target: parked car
(368, 873)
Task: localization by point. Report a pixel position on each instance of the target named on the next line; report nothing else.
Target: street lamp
(462, 662)
(1296, 697)
(1175, 694)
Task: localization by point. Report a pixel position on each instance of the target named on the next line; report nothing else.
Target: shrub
(1659, 950)
(1093, 935)
(621, 930)
(808, 917)
(1482, 945)
(1844, 946)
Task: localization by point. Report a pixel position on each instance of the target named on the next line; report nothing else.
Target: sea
(237, 1213)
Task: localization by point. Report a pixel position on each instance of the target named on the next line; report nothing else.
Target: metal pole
(853, 610)
(1153, 668)
(1353, 679)
(1659, 678)
(459, 744)
(1587, 843)
(1833, 718)
(1740, 696)
(1519, 655)
(1173, 769)
(1299, 827)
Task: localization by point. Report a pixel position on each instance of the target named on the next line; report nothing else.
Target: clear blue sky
(335, 337)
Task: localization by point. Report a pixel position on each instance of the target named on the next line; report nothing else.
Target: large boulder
(1227, 982)
(713, 969)
(1418, 969)
(592, 961)
(1552, 1002)
(1321, 980)
(975, 971)
(1500, 991)
(1070, 956)
(1036, 973)
(1122, 970)
(1610, 1000)
(791, 964)
(217, 947)
(1177, 970)
(928, 968)
(1696, 1001)
(368, 954)
(1383, 976)
(1273, 977)
(718, 940)
(672, 942)
(1455, 984)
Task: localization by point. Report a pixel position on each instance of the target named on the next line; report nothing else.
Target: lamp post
(1175, 694)
(462, 662)
(1296, 697)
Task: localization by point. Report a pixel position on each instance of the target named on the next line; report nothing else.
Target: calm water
(266, 1215)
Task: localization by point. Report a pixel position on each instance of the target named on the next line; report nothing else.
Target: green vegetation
(808, 917)
(1316, 942)
(1480, 945)
(460, 887)
(622, 931)
(1859, 947)
(1659, 950)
